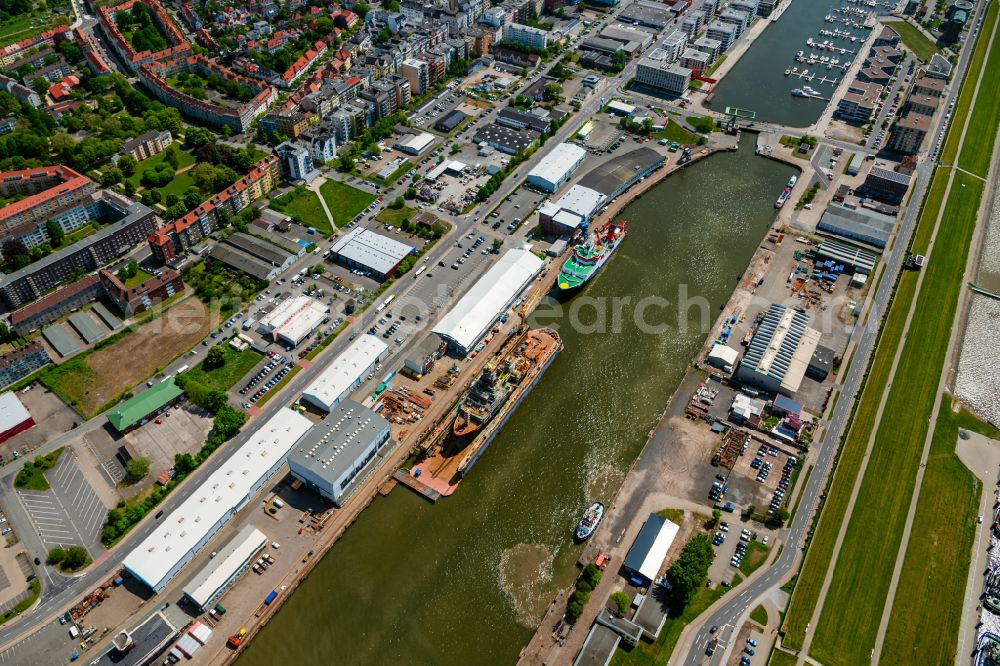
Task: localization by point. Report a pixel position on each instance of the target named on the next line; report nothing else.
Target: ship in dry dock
(499, 390)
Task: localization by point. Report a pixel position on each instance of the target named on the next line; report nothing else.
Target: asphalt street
(864, 339)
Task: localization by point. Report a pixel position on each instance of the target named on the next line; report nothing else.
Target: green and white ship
(589, 258)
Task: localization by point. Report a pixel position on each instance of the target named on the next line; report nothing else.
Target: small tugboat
(591, 519)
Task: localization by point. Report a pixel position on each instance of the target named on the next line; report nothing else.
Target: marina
(827, 45)
(765, 76)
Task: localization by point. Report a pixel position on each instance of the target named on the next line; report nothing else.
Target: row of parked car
(276, 361)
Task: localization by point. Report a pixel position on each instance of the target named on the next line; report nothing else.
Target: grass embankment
(938, 554)
(344, 201)
(779, 658)
(673, 131)
(304, 207)
(237, 365)
(32, 475)
(976, 154)
(952, 141)
(395, 216)
(810, 579)
(853, 609)
(914, 39)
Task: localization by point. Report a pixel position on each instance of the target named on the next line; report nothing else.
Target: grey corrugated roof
(647, 536)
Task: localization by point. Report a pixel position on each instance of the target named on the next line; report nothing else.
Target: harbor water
(466, 580)
(758, 82)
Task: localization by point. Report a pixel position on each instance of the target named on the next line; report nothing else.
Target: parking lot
(70, 513)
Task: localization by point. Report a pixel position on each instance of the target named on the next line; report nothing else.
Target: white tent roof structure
(482, 305)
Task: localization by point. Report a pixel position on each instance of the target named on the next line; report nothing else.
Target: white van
(73, 632)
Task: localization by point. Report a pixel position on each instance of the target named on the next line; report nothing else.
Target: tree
(552, 91)
(716, 517)
(216, 400)
(228, 421)
(56, 555)
(40, 86)
(689, 572)
(136, 469)
(411, 193)
(184, 463)
(346, 163)
(76, 557)
(172, 156)
(591, 575)
(622, 601)
(618, 60)
(397, 203)
(216, 358)
(127, 164)
(55, 232)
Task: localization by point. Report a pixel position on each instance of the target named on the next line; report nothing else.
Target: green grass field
(755, 556)
(137, 279)
(305, 206)
(810, 579)
(344, 201)
(914, 40)
(853, 609)
(937, 560)
(178, 185)
(185, 159)
(759, 615)
(674, 132)
(779, 658)
(237, 365)
(395, 216)
(21, 27)
(949, 152)
(975, 156)
(32, 474)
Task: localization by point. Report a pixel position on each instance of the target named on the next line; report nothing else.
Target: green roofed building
(136, 410)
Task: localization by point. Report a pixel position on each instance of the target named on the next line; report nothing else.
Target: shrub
(56, 555)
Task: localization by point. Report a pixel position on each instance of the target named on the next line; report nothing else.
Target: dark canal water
(465, 581)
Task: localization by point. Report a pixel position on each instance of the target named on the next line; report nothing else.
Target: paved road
(863, 339)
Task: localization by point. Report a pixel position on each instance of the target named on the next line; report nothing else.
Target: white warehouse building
(223, 570)
(557, 167)
(473, 316)
(415, 144)
(332, 457)
(293, 319)
(366, 250)
(345, 373)
(189, 527)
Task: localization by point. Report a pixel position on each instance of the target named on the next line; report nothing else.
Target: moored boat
(589, 522)
(589, 258)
